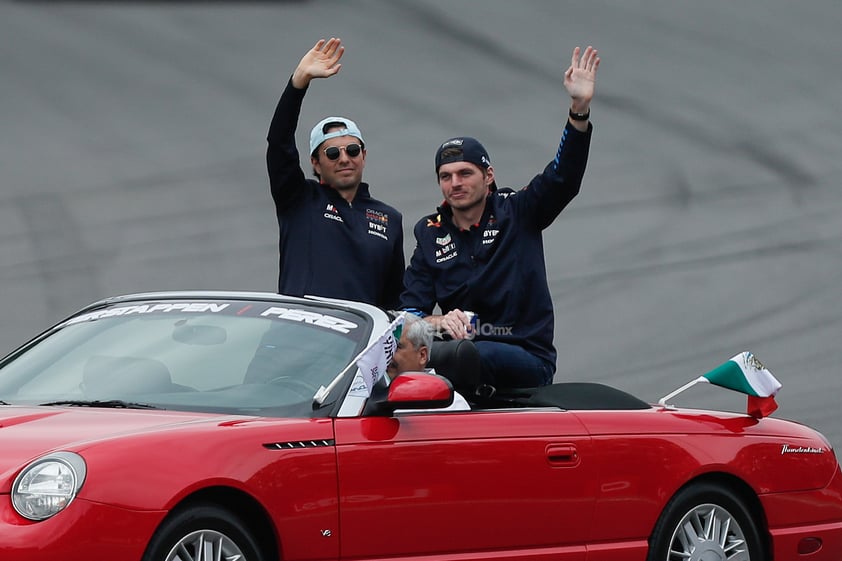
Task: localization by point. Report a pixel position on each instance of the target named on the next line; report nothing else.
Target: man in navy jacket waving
(482, 251)
(335, 239)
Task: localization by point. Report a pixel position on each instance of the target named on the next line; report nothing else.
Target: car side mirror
(411, 390)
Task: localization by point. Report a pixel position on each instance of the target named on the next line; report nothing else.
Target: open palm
(580, 77)
(322, 60)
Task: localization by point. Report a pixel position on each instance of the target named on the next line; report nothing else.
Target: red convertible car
(235, 426)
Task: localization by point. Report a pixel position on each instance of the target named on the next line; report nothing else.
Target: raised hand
(580, 77)
(322, 61)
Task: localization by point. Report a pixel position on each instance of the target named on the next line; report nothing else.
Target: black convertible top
(459, 362)
(566, 395)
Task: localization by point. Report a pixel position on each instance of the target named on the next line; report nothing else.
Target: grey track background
(132, 139)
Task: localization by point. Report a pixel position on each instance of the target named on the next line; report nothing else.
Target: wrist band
(579, 116)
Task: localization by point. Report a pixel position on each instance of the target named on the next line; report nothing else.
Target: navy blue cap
(470, 150)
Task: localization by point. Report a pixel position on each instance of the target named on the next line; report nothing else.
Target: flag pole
(663, 401)
(323, 392)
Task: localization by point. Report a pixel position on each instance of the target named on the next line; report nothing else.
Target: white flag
(373, 361)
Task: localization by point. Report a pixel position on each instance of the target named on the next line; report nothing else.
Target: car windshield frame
(223, 354)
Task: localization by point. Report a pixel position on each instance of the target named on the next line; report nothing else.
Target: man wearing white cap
(335, 240)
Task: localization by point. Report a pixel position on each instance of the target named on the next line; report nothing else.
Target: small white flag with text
(373, 361)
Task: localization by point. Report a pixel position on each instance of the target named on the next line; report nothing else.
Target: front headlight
(46, 486)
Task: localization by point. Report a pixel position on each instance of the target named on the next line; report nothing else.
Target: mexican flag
(374, 359)
(745, 374)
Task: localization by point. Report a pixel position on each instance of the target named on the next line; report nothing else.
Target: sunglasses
(353, 150)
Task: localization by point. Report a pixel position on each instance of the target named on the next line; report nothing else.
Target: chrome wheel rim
(708, 533)
(205, 545)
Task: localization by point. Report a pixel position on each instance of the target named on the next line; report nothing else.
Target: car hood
(29, 432)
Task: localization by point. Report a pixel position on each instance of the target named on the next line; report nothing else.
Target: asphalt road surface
(132, 142)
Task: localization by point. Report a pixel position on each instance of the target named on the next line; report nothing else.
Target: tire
(202, 532)
(691, 526)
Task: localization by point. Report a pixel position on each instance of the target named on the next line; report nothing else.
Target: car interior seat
(458, 361)
(112, 377)
(274, 357)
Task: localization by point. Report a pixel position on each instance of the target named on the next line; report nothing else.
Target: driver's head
(413, 350)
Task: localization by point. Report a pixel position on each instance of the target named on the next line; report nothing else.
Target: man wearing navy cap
(482, 251)
(335, 240)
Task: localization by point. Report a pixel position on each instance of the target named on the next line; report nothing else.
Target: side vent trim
(299, 444)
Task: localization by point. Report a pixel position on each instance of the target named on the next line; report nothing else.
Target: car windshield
(262, 358)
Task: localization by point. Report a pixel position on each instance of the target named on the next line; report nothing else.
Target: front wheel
(203, 532)
(706, 522)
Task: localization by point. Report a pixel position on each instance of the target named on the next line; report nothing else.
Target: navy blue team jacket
(327, 246)
(496, 268)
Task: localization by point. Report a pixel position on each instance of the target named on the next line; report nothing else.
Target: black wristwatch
(580, 116)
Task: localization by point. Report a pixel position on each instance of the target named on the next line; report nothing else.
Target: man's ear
(424, 354)
(489, 176)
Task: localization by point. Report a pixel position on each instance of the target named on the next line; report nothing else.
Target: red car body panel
(447, 484)
(175, 454)
(442, 482)
(89, 531)
(662, 450)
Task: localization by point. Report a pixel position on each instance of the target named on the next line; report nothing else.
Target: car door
(514, 483)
